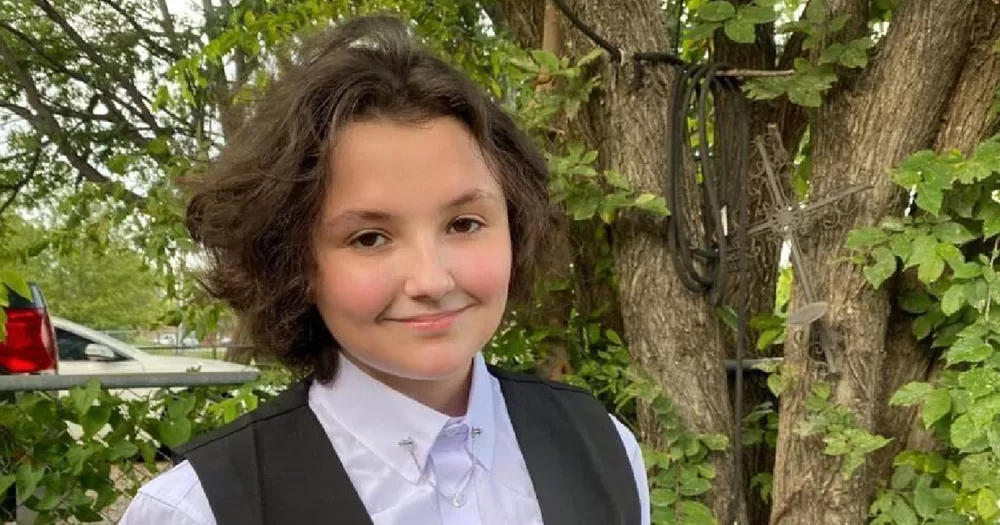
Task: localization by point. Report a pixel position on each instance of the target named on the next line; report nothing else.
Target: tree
(929, 83)
(104, 285)
(856, 89)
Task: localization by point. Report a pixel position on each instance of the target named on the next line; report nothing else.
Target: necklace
(458, 498)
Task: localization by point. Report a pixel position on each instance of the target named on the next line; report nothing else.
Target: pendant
(458, 499)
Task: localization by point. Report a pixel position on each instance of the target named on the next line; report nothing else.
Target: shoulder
(528, 379)
(172, 498)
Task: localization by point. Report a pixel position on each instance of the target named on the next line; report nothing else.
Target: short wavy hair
(254, 210)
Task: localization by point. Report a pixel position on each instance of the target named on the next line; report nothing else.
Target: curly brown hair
(255, 208)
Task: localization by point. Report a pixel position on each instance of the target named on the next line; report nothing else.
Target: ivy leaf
(953, 299)
(968, 350)
(902, 514)
(923, 498)
(936, 405)
(931, 268)
(855, 54)
(758, 14)
(990, 215)
(910, 394)
(699, 32)
(963, 431)
(121, 449)
(741, 31)
(16, 282)
(817, 11)
(717, 11)
(915, 301)
(986, 503)
(695, 513)
(27, 480)
(95, 418)
(979, 381)
(903, 476)
(174, 433)
(884, 267)
(953, 233)
(866, 237)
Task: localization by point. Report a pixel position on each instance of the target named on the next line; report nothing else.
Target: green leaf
(953, 299)
(6, 481)
(717, 11)
(922, 326)
(174, 432)
(699, 32)
(653, 204)
(903, 476)
(980, 381)
(902, 514)
(953, 233)
(16, 282)
(867, 237)
(968, 350)
(27, 481)
(923, 498)
(741, 31)
(910, 394)
(884, 267)
(986, 503)
(930, 269)
(936, 405)
(121, 449)
(915, 301)
(716, 442)
(963, 431)
(96, 417)
(758, 14)
(990, 215)
(695, 513)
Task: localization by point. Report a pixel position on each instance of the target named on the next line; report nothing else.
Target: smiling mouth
(431, 321)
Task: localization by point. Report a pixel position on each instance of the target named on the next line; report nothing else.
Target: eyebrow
(362, 215)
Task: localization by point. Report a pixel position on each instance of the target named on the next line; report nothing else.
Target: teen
(370, 223)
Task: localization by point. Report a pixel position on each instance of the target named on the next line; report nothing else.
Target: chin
(429, 364)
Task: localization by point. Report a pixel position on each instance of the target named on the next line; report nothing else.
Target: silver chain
(458, 498)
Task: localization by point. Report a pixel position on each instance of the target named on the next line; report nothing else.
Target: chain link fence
(75, 449)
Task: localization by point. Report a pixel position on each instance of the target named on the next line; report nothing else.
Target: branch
(168, 25)
(23, 182)
(45, 122)
(98, 60)
(143, 32)
(110, 98)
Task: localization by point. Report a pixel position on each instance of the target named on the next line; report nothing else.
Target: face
(413, 248)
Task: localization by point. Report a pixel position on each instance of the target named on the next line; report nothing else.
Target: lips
(432, 321)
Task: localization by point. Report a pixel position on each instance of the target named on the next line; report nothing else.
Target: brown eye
(465, 225)
(368, 240)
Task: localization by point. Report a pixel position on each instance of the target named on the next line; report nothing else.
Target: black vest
(276, 466)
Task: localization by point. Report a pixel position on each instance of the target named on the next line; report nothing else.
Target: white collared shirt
(395, 486)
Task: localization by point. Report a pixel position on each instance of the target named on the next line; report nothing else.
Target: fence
(76, 448)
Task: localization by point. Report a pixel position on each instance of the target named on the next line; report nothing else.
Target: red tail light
(30, 346)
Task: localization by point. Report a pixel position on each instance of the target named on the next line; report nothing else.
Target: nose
(429, 272)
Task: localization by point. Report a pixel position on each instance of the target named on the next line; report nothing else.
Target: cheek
(352, 290)
(485, 273)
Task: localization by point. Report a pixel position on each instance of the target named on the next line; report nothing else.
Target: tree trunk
(966, 122)
(891, 110)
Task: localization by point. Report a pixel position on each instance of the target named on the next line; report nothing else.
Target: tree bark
(870, 124)
(966, 122)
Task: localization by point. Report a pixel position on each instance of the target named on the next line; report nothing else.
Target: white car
(84, 351)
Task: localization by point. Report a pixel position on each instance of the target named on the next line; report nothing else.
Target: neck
(450, 395)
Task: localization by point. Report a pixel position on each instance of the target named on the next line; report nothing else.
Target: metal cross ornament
(787, 217)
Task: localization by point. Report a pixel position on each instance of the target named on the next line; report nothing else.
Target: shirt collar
(351, 399)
